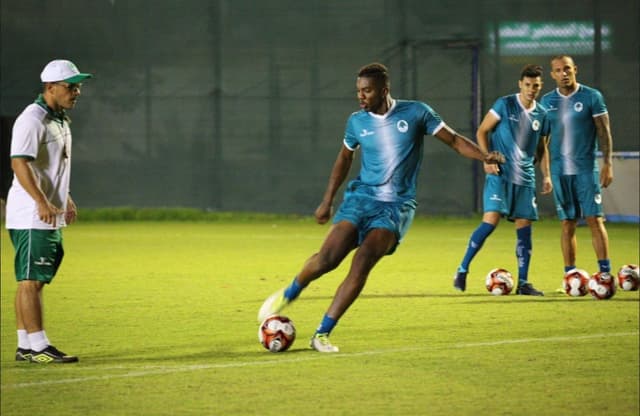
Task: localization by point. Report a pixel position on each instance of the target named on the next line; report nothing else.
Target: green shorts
(38, 254)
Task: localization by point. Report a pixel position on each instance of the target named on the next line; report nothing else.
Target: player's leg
(524, 210)
(28, 307)
(35, 269)
(569, 244)
(341, 240)
(524, 247)
(489, 223)
(591, 203)
(568, 210)
(600, 241)
(23, 352)
(376, 244)
(494, 206)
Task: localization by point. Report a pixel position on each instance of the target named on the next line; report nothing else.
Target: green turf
(163, 317)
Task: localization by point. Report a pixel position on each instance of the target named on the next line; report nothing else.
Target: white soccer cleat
(274, 304)
(321, 343)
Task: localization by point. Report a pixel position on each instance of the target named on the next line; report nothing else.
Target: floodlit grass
(163, 317)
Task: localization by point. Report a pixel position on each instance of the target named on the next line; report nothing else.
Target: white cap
(62, 70)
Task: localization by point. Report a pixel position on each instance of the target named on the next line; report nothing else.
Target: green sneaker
(321, 343)
(274, 304)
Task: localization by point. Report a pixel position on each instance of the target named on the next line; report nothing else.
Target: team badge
(535, 125)
(402, 126)
(578, 106)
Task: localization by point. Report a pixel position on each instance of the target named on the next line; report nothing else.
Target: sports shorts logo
(598, 199)
(578, 106)
(402, 126)
(534, 203)
(43, 262)
(535, 125)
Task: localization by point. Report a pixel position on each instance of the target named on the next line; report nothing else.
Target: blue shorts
(511, 200)
(577, 196)
(368, 214)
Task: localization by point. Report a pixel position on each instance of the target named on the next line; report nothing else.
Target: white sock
(23, 339)
(38, 341)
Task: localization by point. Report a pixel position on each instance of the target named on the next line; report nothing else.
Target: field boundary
(161, 370)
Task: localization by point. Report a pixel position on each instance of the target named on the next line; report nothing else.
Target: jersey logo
(578, 106)
(402, 126)
(366, 132)
(535, 125)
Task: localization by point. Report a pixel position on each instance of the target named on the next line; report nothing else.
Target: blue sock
(567, 268)
(523, 253)
(327, 325)
(293, 291)
(604, 265)
(476, 241)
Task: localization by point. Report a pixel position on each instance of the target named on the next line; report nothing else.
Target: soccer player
(517, 127)
(577, 115)
(379, 205)
(39, 203)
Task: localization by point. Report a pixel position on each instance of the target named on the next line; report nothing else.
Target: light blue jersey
(392, 149)
(573, 143)
(516, 136)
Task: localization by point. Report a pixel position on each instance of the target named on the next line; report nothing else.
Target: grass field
(163, 317)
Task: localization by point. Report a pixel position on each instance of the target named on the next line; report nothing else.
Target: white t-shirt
(46, 141)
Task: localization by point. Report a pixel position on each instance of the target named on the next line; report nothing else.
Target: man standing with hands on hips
(39, 203)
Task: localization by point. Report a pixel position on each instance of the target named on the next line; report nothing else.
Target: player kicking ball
(379, 205)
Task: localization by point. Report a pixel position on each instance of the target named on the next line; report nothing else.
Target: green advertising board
(547, 38)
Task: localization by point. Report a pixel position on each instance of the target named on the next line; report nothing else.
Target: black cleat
(23, 354)
(52, 355)
(528, 289)
(460, 281)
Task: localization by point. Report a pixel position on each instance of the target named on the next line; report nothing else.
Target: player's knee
(325, 262)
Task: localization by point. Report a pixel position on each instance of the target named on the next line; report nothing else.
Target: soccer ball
(499, 282)
(602, 285)
(629, 277)
(576, 282)
(277, 333)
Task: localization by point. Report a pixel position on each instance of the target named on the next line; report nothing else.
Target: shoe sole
(266, 310)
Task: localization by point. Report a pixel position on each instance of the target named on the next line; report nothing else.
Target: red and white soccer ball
(277, 333)
(629, 277)
(576, 282)
(602, 285)
(499, 282)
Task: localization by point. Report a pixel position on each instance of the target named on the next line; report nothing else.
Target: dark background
(241, 105)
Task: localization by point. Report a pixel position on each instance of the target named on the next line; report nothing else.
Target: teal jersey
(573, 144)
(516, 136)
(391, 149)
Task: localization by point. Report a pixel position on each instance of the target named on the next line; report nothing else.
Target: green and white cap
(62, 70)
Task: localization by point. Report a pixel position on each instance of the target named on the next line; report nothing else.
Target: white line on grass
(151, 371)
